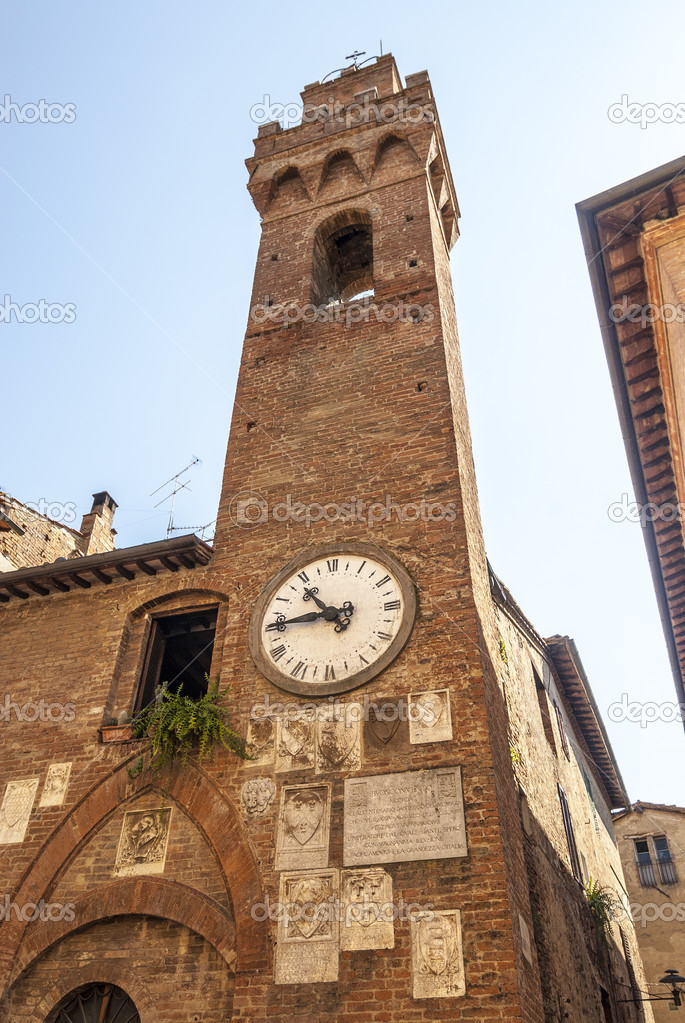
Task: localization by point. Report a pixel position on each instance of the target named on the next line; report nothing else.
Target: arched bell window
(96, 1003)
(343, 258)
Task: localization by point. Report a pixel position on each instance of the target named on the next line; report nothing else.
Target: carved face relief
(257, 795)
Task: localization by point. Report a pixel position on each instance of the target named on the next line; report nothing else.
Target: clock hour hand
(329, 613)
(281, 622)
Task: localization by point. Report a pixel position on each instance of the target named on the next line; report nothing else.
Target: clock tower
(429, 785)
(349, 525)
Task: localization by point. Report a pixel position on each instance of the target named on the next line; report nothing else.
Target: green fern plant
(602, 905)
(178, 726)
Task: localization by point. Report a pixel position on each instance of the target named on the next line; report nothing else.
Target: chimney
(96, 527)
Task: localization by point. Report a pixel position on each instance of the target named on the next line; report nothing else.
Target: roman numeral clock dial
(332, 619)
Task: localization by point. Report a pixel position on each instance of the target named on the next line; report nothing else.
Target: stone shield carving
(368, 918)
(55, 787)
(307, 945)
(303, 827)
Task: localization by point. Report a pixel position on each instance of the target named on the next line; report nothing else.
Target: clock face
(332, 619)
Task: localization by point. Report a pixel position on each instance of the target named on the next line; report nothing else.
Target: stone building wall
(658, 910)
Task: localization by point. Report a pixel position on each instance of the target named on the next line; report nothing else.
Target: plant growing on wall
(178, 726)
(602, 905)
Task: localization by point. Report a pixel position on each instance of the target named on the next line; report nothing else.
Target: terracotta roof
(96, 569)
(613, 230)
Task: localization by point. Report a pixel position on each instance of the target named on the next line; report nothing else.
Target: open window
(543, 704)
(343, 259)
(179, 653)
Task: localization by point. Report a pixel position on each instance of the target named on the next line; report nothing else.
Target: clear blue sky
(137, 213)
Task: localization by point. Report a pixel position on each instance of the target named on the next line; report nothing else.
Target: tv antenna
(177, 484)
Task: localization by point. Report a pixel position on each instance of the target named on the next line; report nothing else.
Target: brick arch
(215, 817)
(175, 595)
(139, 896)
(109, 971)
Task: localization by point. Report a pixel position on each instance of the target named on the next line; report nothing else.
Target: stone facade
(358, 407)
(656, 889)
(29, 538)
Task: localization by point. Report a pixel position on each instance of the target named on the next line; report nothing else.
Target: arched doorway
(96, 1003)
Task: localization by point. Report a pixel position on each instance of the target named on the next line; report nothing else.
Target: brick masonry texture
(323, 412)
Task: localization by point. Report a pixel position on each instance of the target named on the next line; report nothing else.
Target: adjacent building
(651, 841)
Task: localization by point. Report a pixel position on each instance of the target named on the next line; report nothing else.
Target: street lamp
(675, 982)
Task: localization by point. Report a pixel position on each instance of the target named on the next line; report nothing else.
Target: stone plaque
(303, 826)
(437, 958)
(430, 717)
(257, 795)
(338, 738)
(367, 909)
(525, 939)
(295, 741)
(416, 815)
(143, 842)
(261, 739)
(16, 810)
(55, 788)
(307, 945)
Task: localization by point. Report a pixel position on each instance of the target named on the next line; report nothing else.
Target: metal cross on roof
(353, 56)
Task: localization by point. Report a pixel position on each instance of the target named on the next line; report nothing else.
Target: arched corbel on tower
(392, 149)
(287, 188)
(340, 172)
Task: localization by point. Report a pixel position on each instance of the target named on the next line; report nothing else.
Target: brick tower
(348, 602)
(350, 427)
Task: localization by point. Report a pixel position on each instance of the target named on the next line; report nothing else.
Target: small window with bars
(664, 860)
(647, 866)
